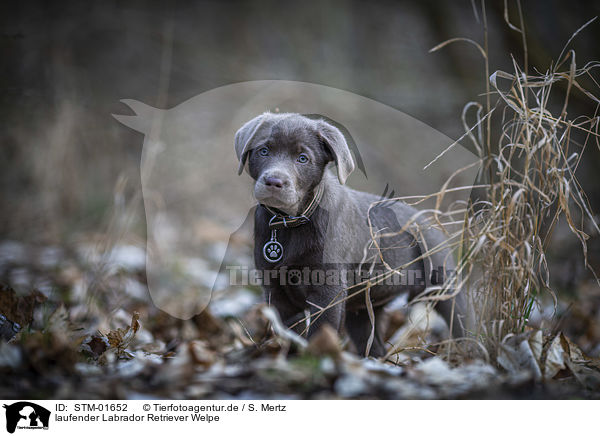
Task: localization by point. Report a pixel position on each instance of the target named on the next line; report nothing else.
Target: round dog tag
(272, 251)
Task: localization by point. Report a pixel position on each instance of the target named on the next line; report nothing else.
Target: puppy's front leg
(306, 322)
(358, 325)
(328, 298)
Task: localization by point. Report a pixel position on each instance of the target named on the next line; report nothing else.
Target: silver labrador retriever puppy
(314, 237)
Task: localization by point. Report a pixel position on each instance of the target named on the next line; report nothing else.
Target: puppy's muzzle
(276, 189)
(275, 182)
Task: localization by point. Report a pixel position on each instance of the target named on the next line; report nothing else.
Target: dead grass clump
(527, 185)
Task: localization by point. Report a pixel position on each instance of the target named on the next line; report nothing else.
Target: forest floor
(78, 337)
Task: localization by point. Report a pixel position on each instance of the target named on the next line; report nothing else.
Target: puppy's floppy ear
(249, 134)
(336, 143)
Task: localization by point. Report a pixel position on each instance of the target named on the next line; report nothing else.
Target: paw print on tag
(273, 251)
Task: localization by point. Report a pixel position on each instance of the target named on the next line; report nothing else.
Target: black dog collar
(273, 250)
(281, 221)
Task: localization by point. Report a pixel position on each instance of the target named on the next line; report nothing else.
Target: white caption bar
(290, 418)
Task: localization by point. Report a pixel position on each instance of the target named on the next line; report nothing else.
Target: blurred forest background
(67, 164)
(66, 65)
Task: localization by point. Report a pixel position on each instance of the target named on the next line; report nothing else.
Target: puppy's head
(287, 155)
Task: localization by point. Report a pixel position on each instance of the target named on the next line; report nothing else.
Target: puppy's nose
(274, 182)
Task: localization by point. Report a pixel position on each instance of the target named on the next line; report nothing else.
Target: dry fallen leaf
(96, 345)
(521, 353)
(120, 339)
(526, 352)
(555, 358)
(201, 354)
(325, 342)
(281, 331)
(585, 369)
(19, 309)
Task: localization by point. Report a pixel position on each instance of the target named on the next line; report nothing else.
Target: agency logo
(26, 415)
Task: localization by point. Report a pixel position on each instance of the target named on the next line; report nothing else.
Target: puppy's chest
(297, 247)
(302, 253)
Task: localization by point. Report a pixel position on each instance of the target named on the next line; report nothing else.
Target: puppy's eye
(303, 158)
(264, 151)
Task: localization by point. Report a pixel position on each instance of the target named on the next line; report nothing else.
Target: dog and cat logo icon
(26, 415)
